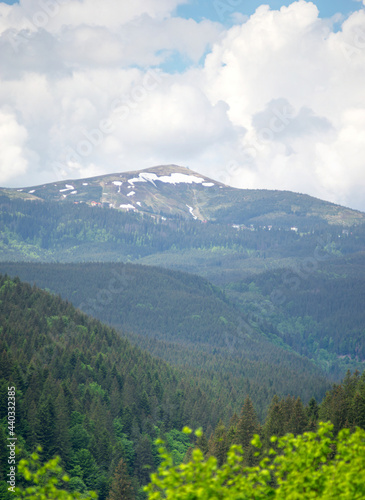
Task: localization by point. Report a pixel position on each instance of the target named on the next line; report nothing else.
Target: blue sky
(200, 9)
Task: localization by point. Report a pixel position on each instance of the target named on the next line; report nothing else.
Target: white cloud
(278, 103)
(290, 59)
(52, 15)
(13, 163)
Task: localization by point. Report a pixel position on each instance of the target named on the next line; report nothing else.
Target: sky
(255, 95)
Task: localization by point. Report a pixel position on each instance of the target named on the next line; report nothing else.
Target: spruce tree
(274, 424)
(298, 421)
(218, 445)
(247, 426)
(358, 410)
(202, 444)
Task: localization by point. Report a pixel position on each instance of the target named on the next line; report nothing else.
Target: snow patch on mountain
(191, 210)
(131, 193)
(144, 177)
(127, 207)
(67, 188)
(173, 178)
(176, 178)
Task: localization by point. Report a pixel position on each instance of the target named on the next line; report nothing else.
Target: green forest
(188, 322)
(65, 232)
(86, 394)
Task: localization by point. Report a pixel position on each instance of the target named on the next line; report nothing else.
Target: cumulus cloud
(12, 139)
(276, 101)
(52, 15)
(291, 81)
(279, 122)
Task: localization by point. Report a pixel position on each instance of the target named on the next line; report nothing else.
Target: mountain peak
(167, 191)
(177, 171)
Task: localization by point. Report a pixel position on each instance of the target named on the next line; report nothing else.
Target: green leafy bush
(45, 481)
(312, 465)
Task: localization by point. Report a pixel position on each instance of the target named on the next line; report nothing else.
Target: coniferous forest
(88, 395)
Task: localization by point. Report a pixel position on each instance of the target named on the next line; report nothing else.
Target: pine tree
(274, 424)
(218, 445)
(144, 459)
(358, 410)
(46, 428)
(312, 414)
(298, 420)
(202, 444)
(63, 443)
(287, 406)
(115, 399)
(32, 425)
(335, 408)
(247, 426)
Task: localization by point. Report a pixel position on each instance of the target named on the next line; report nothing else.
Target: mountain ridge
(172, 191)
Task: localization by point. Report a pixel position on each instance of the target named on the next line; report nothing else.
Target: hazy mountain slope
(317, 312)
(184, 320)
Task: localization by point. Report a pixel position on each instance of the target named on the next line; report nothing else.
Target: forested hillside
(67, 232)
(319, 312)
(85, 393)
(188, 322)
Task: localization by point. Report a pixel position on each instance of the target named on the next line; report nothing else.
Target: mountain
(275, 306)
(245, 231)
(269, 251)
(173, 191)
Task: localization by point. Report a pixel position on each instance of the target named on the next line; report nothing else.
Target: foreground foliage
(45, 481)
(311, 465)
